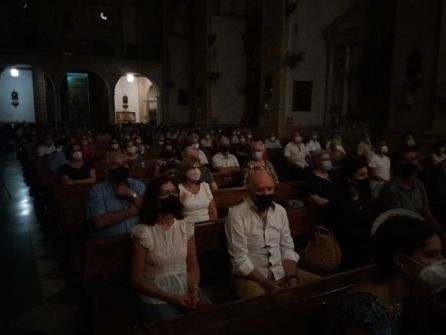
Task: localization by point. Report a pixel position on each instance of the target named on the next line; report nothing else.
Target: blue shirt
(102, 199)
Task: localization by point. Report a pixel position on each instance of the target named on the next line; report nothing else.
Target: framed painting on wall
(302, 91)
(124, 117)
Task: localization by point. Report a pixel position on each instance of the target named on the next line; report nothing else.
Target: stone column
(40, 104)
(273, 72)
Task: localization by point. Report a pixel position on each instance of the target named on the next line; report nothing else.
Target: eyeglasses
(166, 194)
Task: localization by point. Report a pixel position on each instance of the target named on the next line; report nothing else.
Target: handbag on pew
(323, 251)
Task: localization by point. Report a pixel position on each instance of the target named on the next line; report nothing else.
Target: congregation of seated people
(158, 183)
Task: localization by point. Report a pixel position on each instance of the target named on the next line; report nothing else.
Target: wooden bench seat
(289, 311)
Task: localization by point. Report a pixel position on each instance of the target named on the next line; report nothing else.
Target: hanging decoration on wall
(295, 54)
(125, 102)
(14, 98)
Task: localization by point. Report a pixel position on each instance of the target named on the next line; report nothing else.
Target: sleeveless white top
(196, 206)
(166, 251)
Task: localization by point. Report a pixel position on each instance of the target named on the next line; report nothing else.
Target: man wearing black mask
(260, 243)
(113, 205)
(404, 190)
(223, 161)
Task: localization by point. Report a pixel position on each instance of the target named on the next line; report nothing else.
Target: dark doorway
(84, 100)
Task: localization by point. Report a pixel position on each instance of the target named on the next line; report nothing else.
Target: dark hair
(437, 145)
(352, 164)
(149, 209)
(399, 234)
(69, 148)
(406, 134)
(405, 149)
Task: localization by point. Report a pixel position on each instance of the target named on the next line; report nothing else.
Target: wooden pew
(290, 311)
(108, 260)
(226, 180)
(229, 197)
(65, 194)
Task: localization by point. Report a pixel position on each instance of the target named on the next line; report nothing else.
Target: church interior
(223, 166)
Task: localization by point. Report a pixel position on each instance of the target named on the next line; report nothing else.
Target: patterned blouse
(365, 311)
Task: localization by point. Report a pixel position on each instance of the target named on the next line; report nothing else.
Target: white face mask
(196, 146)
(115, 146)
(384, 149)
(193, 174)
(138, 141)
(339, 147)
(131, 150)
(433, 276)
(77, 155)
(257, 155)
(249, 136)
(327, 166)
(298, 139)
(273, 139)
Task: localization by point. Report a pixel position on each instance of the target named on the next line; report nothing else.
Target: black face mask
(119, 174)
(408, 170)
(170, 205)
(224, 148)
(361, 184)
(263, 201)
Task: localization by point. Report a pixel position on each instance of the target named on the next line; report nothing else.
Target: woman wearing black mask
(351, 212)
(165, 269)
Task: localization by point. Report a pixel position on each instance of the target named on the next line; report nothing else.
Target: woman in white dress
(195, 195)
(165, 268)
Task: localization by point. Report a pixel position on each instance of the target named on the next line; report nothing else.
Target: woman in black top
(351, 212)
(76, 170)
(318, 188)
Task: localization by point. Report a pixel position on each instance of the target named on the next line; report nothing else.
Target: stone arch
(43, 90)
(142, 96)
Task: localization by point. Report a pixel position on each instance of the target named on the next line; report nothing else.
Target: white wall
(23, 84)
(130, 89)
(227, 97)
(180, 70)
(313, 17)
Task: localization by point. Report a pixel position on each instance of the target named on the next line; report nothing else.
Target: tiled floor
(39, 295)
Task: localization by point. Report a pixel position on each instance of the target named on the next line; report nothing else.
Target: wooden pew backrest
(289, 311)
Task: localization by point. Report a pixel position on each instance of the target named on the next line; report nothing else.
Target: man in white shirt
(313, 144)
(260, 243)
(296, 155)
(223, 161)
(379, 167)
(272, 142)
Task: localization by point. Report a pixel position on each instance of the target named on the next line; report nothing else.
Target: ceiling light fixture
(130, 78)
(14, 72)
(102, 16)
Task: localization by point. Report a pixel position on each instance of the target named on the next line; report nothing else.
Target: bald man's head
(260, 182)
(261, 188)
